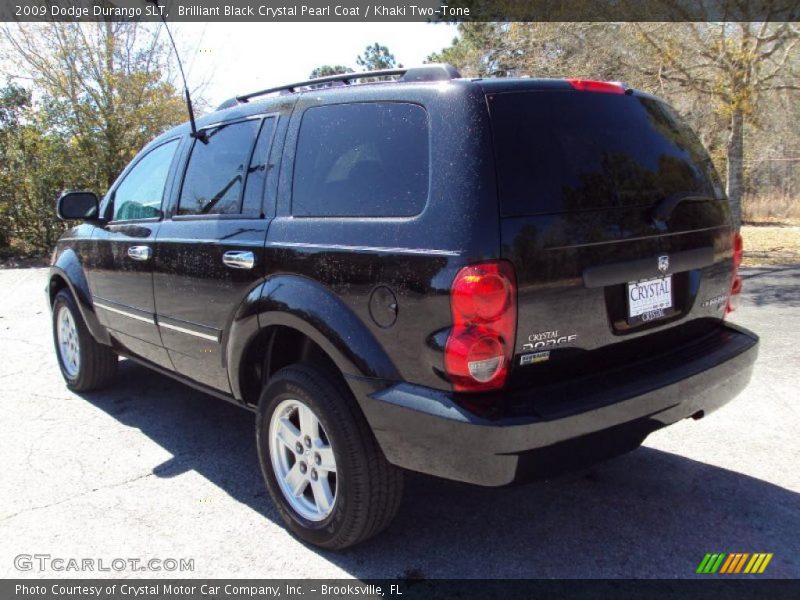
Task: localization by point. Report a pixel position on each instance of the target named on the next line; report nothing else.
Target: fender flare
(313, 310)
(68, 268)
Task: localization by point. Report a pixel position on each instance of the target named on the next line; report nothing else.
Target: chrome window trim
(422, 251)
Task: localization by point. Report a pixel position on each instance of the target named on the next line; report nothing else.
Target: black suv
(483, 280)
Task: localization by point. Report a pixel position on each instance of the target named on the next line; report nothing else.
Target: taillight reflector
(483, 302)
(589, 85)
(736, 281)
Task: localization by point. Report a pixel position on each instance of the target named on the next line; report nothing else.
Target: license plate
(649, 299)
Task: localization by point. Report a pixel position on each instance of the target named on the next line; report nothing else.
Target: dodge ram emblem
(663, 264)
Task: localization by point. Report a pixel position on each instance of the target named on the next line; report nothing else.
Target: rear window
(570, 151)
(362, 160)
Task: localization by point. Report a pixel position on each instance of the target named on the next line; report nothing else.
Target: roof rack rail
(430, 72)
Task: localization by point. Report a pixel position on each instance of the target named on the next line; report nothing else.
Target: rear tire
(361, 494)
(85, 364)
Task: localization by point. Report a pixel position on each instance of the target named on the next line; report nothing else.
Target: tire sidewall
(323, 532)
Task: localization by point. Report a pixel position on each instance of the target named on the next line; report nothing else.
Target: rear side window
(217, 169)
(139, 194)
(362, 160)
(570, 151)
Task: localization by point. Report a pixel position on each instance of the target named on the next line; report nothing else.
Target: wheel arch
(294, 319)
(67, 273)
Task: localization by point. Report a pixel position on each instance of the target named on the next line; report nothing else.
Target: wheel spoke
(309, 425)
(288, 434)
(296, 480)
(327, 462)
(322, 494)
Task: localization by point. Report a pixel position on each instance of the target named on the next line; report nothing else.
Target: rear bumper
(546, 430)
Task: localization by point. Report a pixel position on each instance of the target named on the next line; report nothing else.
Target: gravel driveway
(153, 469)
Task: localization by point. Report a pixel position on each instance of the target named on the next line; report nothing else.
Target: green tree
(34, 168)
(327, 70)
(107, 88)
(376, 57)
(14, 100)
(477, 51)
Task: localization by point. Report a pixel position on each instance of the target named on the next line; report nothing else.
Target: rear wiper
(663, 210)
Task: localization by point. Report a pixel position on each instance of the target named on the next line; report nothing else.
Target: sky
(226, 59)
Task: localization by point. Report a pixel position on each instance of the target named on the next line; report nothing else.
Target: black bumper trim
(426, 430)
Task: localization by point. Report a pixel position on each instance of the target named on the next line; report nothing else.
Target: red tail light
(736, 281)
(483, 302)
(604, 87)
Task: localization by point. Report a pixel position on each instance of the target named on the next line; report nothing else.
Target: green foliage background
(92, 97)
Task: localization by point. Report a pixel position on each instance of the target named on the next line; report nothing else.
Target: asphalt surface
(153, 469)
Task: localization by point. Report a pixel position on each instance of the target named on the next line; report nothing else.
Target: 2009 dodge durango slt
(484, 280)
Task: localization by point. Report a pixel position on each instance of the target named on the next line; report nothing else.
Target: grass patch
(771, 244)
(774, 210)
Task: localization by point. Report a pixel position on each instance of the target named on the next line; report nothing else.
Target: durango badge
(715, 301)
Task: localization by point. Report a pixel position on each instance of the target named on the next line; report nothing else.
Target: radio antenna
(200, 135)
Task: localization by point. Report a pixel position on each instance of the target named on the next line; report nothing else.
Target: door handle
(140, 252)
(239, 259)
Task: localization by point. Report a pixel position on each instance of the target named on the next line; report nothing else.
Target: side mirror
(78, 205)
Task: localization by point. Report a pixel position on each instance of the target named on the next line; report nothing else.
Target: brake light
(589, 85)
(736, 281)
(479, 349)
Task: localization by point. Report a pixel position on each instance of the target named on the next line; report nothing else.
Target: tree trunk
(110, 118)
(735, 156)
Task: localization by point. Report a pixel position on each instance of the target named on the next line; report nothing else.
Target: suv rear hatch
(615, 222)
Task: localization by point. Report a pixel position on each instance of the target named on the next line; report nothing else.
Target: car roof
(282, 100)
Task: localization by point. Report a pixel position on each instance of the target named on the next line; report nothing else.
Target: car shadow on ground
(645, 514)
(779, 284)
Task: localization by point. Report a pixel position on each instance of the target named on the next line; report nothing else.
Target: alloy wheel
(68, 346)
(303, 460)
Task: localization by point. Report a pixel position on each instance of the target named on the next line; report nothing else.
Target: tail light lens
(604, 87)
(483, 302)
(736, 281)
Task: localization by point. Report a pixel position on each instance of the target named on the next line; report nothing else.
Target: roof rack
(430, 72)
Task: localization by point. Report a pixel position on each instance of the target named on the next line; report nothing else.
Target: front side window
(362, 160)
(257, 173)
(140, 194)
(217, 169)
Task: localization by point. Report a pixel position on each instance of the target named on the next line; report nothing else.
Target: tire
(85, 364)
(365, 489)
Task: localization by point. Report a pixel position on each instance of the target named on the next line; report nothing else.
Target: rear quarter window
(362, 160)
(570, 151)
